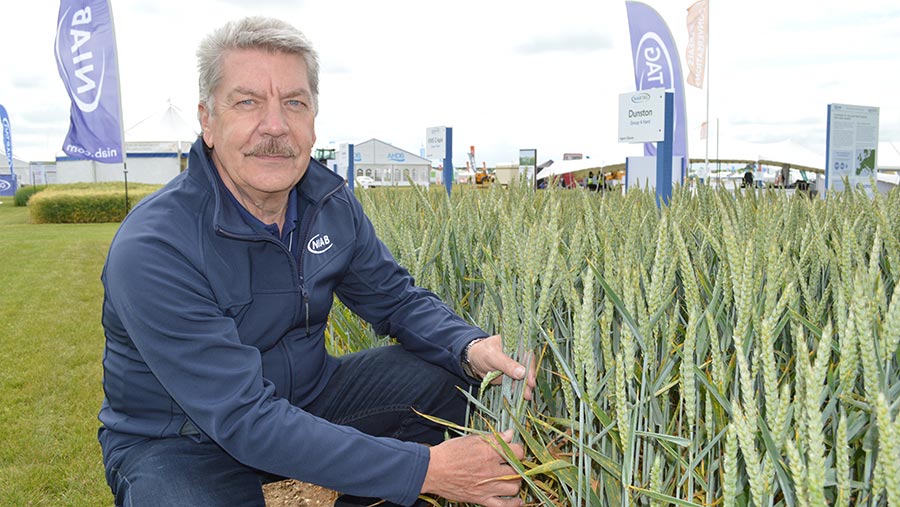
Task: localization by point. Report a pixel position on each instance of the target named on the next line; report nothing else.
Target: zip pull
(306, 309)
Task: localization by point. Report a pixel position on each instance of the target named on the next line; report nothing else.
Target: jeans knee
(120, 487)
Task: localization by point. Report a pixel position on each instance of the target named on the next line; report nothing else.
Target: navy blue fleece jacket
(211, 321)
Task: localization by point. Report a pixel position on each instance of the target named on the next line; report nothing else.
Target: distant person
(748, 179)
(217, 294)
(785, 174)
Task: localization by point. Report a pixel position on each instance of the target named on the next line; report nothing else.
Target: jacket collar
(317, 183)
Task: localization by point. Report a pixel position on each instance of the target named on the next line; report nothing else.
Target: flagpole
(112, 25)
(707, 87)
(698, 39)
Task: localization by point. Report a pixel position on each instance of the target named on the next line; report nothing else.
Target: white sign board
(642, 116)
(343, 158)
(640, 172)
(435, 143)
(38, 176)
(851, 152)
(527, 164)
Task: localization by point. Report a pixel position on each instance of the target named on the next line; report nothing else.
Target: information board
(852, 147)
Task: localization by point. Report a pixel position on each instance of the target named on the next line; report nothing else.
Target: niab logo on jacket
(319, 244)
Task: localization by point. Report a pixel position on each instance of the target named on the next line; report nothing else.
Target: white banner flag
(695, 54)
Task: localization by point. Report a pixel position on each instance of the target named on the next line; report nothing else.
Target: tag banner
(695, 53)
(87, 63)
(7, 137)
(656, 65)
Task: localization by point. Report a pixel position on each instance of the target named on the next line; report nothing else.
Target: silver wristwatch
(464, 360)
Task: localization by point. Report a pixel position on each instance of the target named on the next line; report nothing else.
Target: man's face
(263, 127)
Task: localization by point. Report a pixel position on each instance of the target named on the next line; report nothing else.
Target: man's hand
(465, 469)
(487, 355)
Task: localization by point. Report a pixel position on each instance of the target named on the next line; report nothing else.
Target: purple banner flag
(88, 66)
(656, 65)
(7, 138)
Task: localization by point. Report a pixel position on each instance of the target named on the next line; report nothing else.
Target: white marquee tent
(889, 156)
(156, 148)
(796, 154)
(785, 151)
(166, 131)
(569, 166)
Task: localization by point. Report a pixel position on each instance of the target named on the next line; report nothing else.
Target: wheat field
(733, 349)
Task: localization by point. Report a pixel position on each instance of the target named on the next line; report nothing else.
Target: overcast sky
(504, 74)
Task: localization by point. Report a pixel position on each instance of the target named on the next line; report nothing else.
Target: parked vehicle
(482, 175)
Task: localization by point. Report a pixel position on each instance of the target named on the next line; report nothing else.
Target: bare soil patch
(291, 493)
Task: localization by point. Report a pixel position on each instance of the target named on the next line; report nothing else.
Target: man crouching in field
(218, 289)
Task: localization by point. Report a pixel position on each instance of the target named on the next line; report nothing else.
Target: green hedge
(24, 194)
(85, 203)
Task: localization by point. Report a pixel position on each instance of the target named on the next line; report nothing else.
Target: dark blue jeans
(373, 391)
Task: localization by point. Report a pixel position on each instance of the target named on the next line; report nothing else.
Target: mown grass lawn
(51, 345)
(12, 215)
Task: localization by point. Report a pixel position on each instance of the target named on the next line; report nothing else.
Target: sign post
(528, 166)
(448, 161)
(648, 116)
(664, 154)
(351, 158)
(439, 145)
(345, 162)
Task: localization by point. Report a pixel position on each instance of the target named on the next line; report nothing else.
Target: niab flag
(656, 65)
(695, 53)
(88, 65)
(7, 138)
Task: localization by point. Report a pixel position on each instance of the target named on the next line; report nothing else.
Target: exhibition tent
(889, 156)
(167, 128)
(786, 151)
(570, 166)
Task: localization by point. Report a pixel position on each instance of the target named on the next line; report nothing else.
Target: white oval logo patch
(319, 244)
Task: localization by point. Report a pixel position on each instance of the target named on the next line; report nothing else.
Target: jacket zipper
(304, 233)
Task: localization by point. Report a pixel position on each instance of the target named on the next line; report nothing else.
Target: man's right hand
(465, 469)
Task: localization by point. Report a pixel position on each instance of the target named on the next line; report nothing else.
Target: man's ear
(203, 113)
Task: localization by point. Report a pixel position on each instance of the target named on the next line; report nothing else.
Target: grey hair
(255, 32)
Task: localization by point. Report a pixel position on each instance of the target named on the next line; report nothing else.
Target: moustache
(272, 147)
